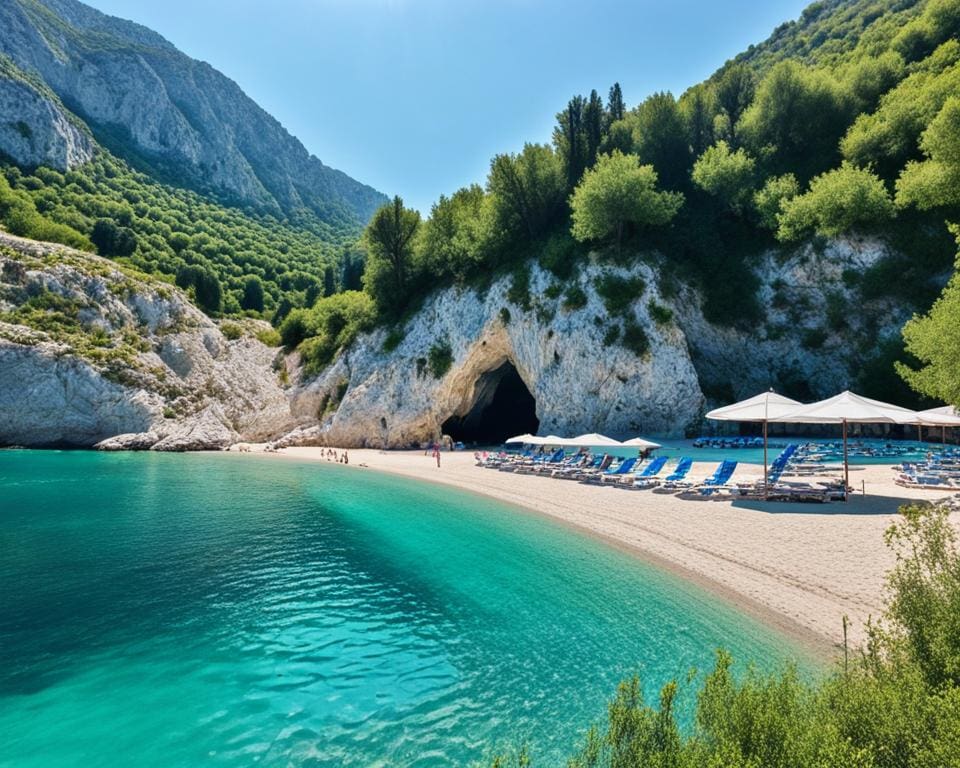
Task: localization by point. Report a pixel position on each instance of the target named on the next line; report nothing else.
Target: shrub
(232, 331)
(269, 337)
(394, 338)
(332, 324)
(619, 293)
(611, 336)
(814, 338)
(837, 202)
(553, 291)
(504, 315)
(635, 338)
(660, 314)
(519, 291)
(440, 359)
(574, 299)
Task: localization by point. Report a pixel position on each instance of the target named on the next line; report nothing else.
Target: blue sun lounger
(678, 478)
(647, 477)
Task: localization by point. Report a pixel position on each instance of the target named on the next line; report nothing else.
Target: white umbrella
(765, 407)
(849, 408)
(943, 417)
(639, 442)
(592, 440)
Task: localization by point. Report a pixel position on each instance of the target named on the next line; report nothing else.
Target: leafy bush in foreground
(895, 704)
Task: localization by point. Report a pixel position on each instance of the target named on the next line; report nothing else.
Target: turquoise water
(212, 610)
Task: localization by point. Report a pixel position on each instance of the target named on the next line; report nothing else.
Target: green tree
(795, 121)
(734, 92)
(698, 107)
(619, 192)
(727, 175)
(389, 240)
(329, 281)
(935, 182)
(593, 120)
(252, 294)
(660, 139)
(934, 340)
(616, 108)
(112, 240)
(569, 139)
(453, 238)
(769, 199)
(837, 202)
(527, 190)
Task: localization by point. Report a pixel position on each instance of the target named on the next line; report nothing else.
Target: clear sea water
(228, 610)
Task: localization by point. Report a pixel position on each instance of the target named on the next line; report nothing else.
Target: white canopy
(524, 438)
(591, 440)
(945, 416)
(639, 442)
(548, 440)
(767, 406)
(850, 408)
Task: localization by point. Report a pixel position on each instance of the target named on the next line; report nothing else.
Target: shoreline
(812, 643)
(836, 564)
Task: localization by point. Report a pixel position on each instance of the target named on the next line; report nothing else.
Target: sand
(797, 567)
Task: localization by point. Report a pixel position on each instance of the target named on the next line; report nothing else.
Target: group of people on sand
(331, 454)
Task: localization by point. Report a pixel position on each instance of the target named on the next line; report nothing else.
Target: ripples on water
(188, 610)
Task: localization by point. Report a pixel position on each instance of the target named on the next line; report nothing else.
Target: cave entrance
(502, 407)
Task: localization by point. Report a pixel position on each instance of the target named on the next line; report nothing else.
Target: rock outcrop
(580, 380)
(36, 129)
(92, 353)
(813, 341)
(157, 107)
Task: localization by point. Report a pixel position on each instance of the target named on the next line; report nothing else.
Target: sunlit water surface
(204, 610)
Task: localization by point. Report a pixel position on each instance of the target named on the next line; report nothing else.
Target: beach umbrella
(639, 442)
(849, 408)
(592, 440)
(943, 417)
(763, 408)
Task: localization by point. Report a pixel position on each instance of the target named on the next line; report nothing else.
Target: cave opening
(503, 407)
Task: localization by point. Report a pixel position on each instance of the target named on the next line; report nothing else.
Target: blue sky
(415, 96)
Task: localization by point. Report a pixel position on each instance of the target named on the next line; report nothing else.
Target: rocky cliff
(582, 377)
(161, 110)
(91, 352)
(35, 128)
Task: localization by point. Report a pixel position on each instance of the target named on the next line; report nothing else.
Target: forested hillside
(113, 141)
(827, 129)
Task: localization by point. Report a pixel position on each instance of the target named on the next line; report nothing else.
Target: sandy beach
(798, 567)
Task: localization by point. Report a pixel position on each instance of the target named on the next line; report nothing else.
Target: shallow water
(204, 610)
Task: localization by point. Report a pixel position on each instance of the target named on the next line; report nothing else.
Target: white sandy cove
(800, 567)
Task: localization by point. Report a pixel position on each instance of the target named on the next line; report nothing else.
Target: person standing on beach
(436, 453)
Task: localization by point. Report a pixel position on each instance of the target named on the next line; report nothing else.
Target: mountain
(179, 120)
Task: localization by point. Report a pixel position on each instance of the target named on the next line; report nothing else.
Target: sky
(415, 96)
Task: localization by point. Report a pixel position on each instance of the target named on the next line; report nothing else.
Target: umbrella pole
(846, 464)
(766, 488)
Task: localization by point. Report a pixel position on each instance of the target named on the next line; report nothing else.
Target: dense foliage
(896, 703)
(214, 250)
(808, 134)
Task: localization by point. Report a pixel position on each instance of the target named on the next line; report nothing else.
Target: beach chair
(597, 477)
(646, 477)
(623, 469)
(678, 479)
(718, 480)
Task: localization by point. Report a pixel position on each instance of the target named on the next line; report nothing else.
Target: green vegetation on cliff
(818, 132)
(217, 252)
